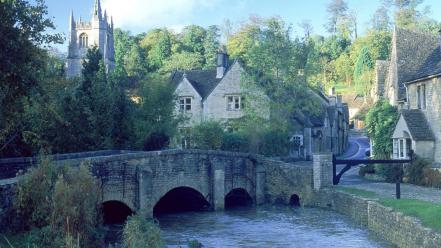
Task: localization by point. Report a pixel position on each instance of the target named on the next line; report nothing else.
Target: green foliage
(429, 213)
(155, 110)
(367, 169)
(380, 124)
(33, 201)
(60, 206)
(392, 173)
(139, 232)
(183, 61)
(208, 135)
(25, 29)
(415, 171)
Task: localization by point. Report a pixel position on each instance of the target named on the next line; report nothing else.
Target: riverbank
(371, 211)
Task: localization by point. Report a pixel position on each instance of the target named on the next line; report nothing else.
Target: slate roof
(204, 81)
(418, 55)
(418, 126)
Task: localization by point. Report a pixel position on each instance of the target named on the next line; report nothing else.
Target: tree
(24, 29)
(183, 61)
(193, 37)
(337, 10)
(211, 46)
(139, 232)
(380, 125)
(380, 20)
(159, 44)
(155, 111)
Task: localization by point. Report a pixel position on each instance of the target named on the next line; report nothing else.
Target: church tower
(83, 35)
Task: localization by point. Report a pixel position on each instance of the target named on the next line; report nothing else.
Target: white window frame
(234, 102)
(185, 104)
(401, 149)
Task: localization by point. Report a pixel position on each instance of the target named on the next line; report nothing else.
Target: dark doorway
(115, 212)
(294, 201)
(182, 199)
(237, 198)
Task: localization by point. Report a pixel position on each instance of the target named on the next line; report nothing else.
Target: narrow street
(358, 145)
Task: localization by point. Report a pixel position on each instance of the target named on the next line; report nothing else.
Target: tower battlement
(84, 35)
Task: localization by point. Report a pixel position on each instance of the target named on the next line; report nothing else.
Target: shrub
(208, 135)
(59, 206)
(140, 232)
(392, 173)
(432, 177)
(235, 142)
(33, 202)
(368, 169)
(415, 171)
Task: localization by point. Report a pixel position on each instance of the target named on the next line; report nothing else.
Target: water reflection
(266, 227)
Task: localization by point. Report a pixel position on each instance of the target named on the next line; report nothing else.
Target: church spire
(97, 10)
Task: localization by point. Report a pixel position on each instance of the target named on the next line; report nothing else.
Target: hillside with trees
(132, 107)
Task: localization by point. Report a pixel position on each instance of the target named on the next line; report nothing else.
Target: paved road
(357, 148)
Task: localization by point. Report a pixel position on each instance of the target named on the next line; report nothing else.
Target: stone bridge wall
(140, 179)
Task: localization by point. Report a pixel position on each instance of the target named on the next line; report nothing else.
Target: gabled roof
(418, 56)
(203, 81)
(418, 126)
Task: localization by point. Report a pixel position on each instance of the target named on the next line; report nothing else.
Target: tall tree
(23, 28)
(211, 46)
(193, 37)
(159, 44)
(337, 10)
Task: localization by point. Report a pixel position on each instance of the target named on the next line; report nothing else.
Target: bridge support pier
(219, 190)
(322, 170)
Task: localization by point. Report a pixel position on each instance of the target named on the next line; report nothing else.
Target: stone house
(219, 94)
(419, 125)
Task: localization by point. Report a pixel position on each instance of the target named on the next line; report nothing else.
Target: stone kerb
(322, 170)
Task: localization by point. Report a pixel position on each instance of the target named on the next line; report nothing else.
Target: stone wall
(141, 179)
(402, 231)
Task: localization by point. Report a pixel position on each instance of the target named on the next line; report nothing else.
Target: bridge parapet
(141, 179)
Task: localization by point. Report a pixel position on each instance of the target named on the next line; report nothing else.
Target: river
(266, 227)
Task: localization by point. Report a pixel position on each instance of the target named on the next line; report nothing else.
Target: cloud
(137, 14)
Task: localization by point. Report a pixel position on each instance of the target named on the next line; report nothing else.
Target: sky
(142, 15)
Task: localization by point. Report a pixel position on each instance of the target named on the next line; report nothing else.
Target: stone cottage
(417, 77)
(219, 94)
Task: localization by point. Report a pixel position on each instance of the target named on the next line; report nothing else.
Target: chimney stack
(222, 63)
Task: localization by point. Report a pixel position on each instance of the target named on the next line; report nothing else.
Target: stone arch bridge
(141, 179)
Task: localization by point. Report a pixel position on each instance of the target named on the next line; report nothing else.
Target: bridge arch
(238, 197)
(181, 199)
(115, 212)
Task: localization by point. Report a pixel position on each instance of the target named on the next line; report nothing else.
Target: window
(84, 40)
(185, 104)
(297, 140)
(235, 103)
(402, 148)
(421, 96)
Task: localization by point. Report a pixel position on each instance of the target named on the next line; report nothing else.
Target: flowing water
(266, 227)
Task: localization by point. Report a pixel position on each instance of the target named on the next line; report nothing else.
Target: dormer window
(234, 103)
(185, 104)
(84, 40)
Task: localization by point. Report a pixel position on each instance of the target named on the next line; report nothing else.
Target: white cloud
(136, 14)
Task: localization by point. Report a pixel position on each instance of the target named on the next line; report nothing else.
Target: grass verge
(428, 213)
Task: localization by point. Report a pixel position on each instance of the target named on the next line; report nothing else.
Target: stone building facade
(83, 35)
(220, 94)
(419, 126)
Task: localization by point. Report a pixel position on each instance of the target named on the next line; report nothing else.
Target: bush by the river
(58, 206)
(140, 232)
(263, 140)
